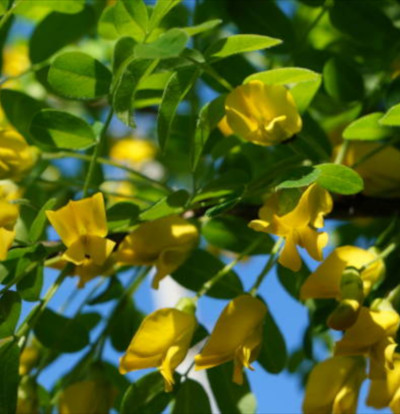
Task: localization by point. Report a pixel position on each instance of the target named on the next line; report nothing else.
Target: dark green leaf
(126, 86)
(175, 91)
(209, 117)
(199, 334)
(123, 324)
(146, 396)
(339, 179)
(230, 397)
(200, 267)
(20, 109)
(123, 50)
(191, 398)
(9, 377)
(10, 310)
(168, 45)
(39, 224)
(342, 81)
(122, 215)
(30, 286)
(112, 291)
(52, 129)
(60, 333)
(56, 31)
(172, 204)
(273, 353)
(89, 320)
(224, 206)
(77, 75)
(240, 43)
(292, 281)
(233, 234)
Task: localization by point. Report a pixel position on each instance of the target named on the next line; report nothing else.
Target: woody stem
(227, 268)
(269, 265)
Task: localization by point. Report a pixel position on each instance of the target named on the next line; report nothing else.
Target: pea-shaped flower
(90, 396)
(164, 243)
(16, 156)
(333, 386)
(373, 336)
(82, 226)
(385, 392)
(237, 336)
(299, 226)
(262, 114)
(325, 281)
(162, 341)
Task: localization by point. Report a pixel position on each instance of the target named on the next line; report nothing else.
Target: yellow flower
(28, 399)
(224, 127)
(324, 283)
(333, 386)
(16, 156)
(89, 397)
(82, 226)
(28, 359)
(237, 336)
(8, 216)
(380, 172)
(386, 391)
(372, 335)
(162, 341)
(15, 60)
(133, 151)
(165, 243)
(297, 227)
(263, 114)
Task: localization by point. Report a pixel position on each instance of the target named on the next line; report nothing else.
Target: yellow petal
(6, 240)
(161, 330)
(8, 214)
(133, 150)
(239, 321)
(289, 256)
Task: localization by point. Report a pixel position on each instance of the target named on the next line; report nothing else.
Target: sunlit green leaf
(367, 128)
(339, 179)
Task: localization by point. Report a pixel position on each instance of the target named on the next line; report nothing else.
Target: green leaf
(39, 224)
(292, 281)
(161, 9)
(60, 333)
(339, 179)
(125, 18)
(126, 86)
(299, 177)
(202, 27)
(191, 398)
(52, 129)
(10, 310)
(175, 91)
(230, 397)
(146, 396)
(233, 234)
(4, 6)
(209, 117)
(241, 43)
(56, 31)
(200, 267)
(168, 45)
(273, 353)
(342, 81)
(77, 75)
(32, 7)
(122, 215)
(112, 291)
(20, 109)
(367, 128)
(123, 50)
(391, 118)
(31, 285)
(123, 324)
(9, 377)
(172, 204)
(303, 83)
(89, 320)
